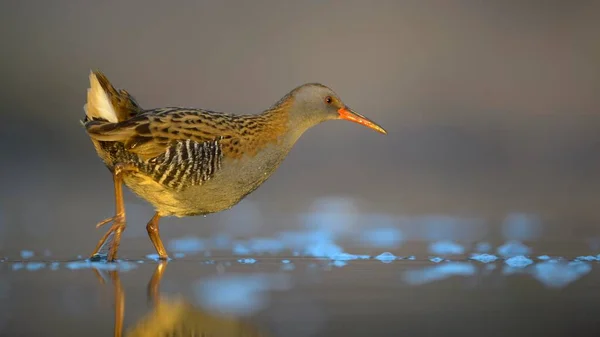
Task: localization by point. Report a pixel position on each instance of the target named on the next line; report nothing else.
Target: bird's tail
(105, 103)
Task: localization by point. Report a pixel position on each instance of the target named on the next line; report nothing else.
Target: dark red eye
(328, 100)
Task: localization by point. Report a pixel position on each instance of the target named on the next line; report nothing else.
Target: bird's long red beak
(349, 115)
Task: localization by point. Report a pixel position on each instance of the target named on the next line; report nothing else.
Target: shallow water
(260, 287)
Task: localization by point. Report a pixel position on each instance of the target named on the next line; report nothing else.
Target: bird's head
(315, 103)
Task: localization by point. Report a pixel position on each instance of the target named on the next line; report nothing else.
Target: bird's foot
(98, 257)
(115, 231)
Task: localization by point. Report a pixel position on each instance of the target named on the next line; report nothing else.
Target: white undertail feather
(98, 103)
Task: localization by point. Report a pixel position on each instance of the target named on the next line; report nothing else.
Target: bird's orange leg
(118, 220)
(154, 235)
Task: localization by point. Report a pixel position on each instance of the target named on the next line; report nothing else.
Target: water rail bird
(187, 161)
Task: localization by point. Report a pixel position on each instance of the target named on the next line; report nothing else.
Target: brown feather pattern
(150, 133)
(180, 147)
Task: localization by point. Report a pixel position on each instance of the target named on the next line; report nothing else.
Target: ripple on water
(33, 266)
(386, 257)
(247, 261)
(484, 258)
(27, 254)
(518, 261)
(560, 274)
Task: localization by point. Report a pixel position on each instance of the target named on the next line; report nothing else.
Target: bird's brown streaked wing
(150, 134)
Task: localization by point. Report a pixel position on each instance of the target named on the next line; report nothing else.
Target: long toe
(105, 221)
(117, 228)
(116, 218)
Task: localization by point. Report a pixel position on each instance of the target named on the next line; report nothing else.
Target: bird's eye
(328, 100)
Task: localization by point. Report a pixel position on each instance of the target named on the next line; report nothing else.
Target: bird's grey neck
(299, 123)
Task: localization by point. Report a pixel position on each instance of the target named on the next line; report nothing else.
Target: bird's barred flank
(187, 163)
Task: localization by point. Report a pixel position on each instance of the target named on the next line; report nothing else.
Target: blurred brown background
(492, 107)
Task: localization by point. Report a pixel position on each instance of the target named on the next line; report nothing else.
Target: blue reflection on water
(339, 263)
(588, 258)
(239, 294)
(266, 245)
(117, 265)
(241, 249)
(332, 214)
(439, 272)
(155, 257)
(513, 248)
(446, 248)
(33, 266)
(247, 261)
(522, 226)
(560, 274)
(187, 245)
(382, 237)
(442, 227)
(221, 241)
(483, 247)
(323, 249)
(349, 257)
(436, 259)
(258, 246)
(26, 254)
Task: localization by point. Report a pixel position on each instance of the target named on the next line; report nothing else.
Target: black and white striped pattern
(186, 163)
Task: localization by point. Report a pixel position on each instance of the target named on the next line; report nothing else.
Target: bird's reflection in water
(174, 316)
